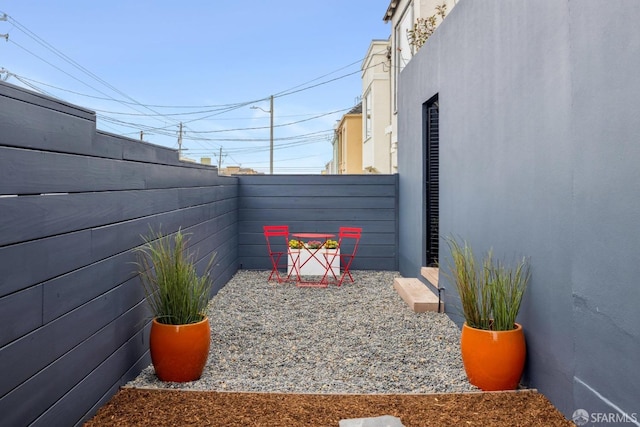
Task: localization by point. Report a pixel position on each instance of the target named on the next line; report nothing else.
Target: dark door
(432, 163)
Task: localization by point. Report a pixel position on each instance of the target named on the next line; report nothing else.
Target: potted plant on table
(178, 297)
(293, 262)
(314, 244)
(330, 244)
(492, 343)
(332, 255)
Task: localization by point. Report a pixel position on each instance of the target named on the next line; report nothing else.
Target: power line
(75, 64)
(280, 125)
(171, 119)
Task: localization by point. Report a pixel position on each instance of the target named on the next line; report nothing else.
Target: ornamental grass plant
(176, 294)
(507, 287)
(490, 293)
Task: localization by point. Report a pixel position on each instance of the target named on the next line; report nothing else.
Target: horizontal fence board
(139, 151)
(294, 189)
(88, 392)
(30, 126)
(58, 173)
(276, 216)
(12, 93)
(341, 202)
(304, 180)
(53, 382)
(161, 176)
(37, 216)
(69, 291)
(123, 236)
(56, 338)
(20, 313)
(72, 406)
(112, 148)
(26, 264)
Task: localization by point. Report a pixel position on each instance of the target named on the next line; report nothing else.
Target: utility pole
(6, 73)
(220, 156)
(271, 139)
(270, 133)
(4, 36)
(180, 142)
(220, 159)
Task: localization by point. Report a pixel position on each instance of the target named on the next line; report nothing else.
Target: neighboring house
(534, 111)
(347, 143)
(402, 14)
(378, 156)
(237, 170)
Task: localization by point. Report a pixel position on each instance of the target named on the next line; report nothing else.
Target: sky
(150, 65)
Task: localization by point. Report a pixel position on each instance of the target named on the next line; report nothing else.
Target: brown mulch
(149, 407)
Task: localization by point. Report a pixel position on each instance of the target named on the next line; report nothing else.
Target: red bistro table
(313, 254)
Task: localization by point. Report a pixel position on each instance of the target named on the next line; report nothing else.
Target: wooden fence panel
(320, 204)
(74, 203)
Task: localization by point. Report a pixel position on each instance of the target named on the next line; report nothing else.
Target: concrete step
(431, 274)
(417, 295)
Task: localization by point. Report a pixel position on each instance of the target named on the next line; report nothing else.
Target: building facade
(402, 15)
(347, 143)
(538, 156)
(378, 155)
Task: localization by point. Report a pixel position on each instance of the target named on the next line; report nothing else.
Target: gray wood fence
(321, 203)
(74, 202)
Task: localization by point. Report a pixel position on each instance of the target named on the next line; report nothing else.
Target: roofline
(390, 10)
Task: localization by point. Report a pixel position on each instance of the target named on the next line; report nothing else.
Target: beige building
(378, 154)
(402, 14)
(237, 170)
(377, 148)
(347, 143)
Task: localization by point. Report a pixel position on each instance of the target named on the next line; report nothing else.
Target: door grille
(432, 180)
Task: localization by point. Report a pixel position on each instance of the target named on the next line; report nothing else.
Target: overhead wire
(75, 64)
(211, 110)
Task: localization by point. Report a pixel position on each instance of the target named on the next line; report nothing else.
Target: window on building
(367, 115)
(402, 47)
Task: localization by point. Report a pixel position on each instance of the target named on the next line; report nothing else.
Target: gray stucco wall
(539, 124)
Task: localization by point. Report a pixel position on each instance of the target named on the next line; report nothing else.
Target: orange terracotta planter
(493, 360)
(179, 352)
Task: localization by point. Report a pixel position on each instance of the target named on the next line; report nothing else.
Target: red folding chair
(278, 247)
(348, 237)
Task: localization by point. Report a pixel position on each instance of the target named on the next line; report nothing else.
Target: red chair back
(346, 237)
(277, 237)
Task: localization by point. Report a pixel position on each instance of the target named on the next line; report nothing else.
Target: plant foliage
(296, 244)
(490, 294)
(423, 28)
(175, 292)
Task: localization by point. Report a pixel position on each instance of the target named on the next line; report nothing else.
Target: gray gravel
(358, 338)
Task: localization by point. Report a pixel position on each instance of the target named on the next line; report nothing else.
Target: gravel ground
(359, 338)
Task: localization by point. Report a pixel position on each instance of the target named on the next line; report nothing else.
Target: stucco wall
(539, 124)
